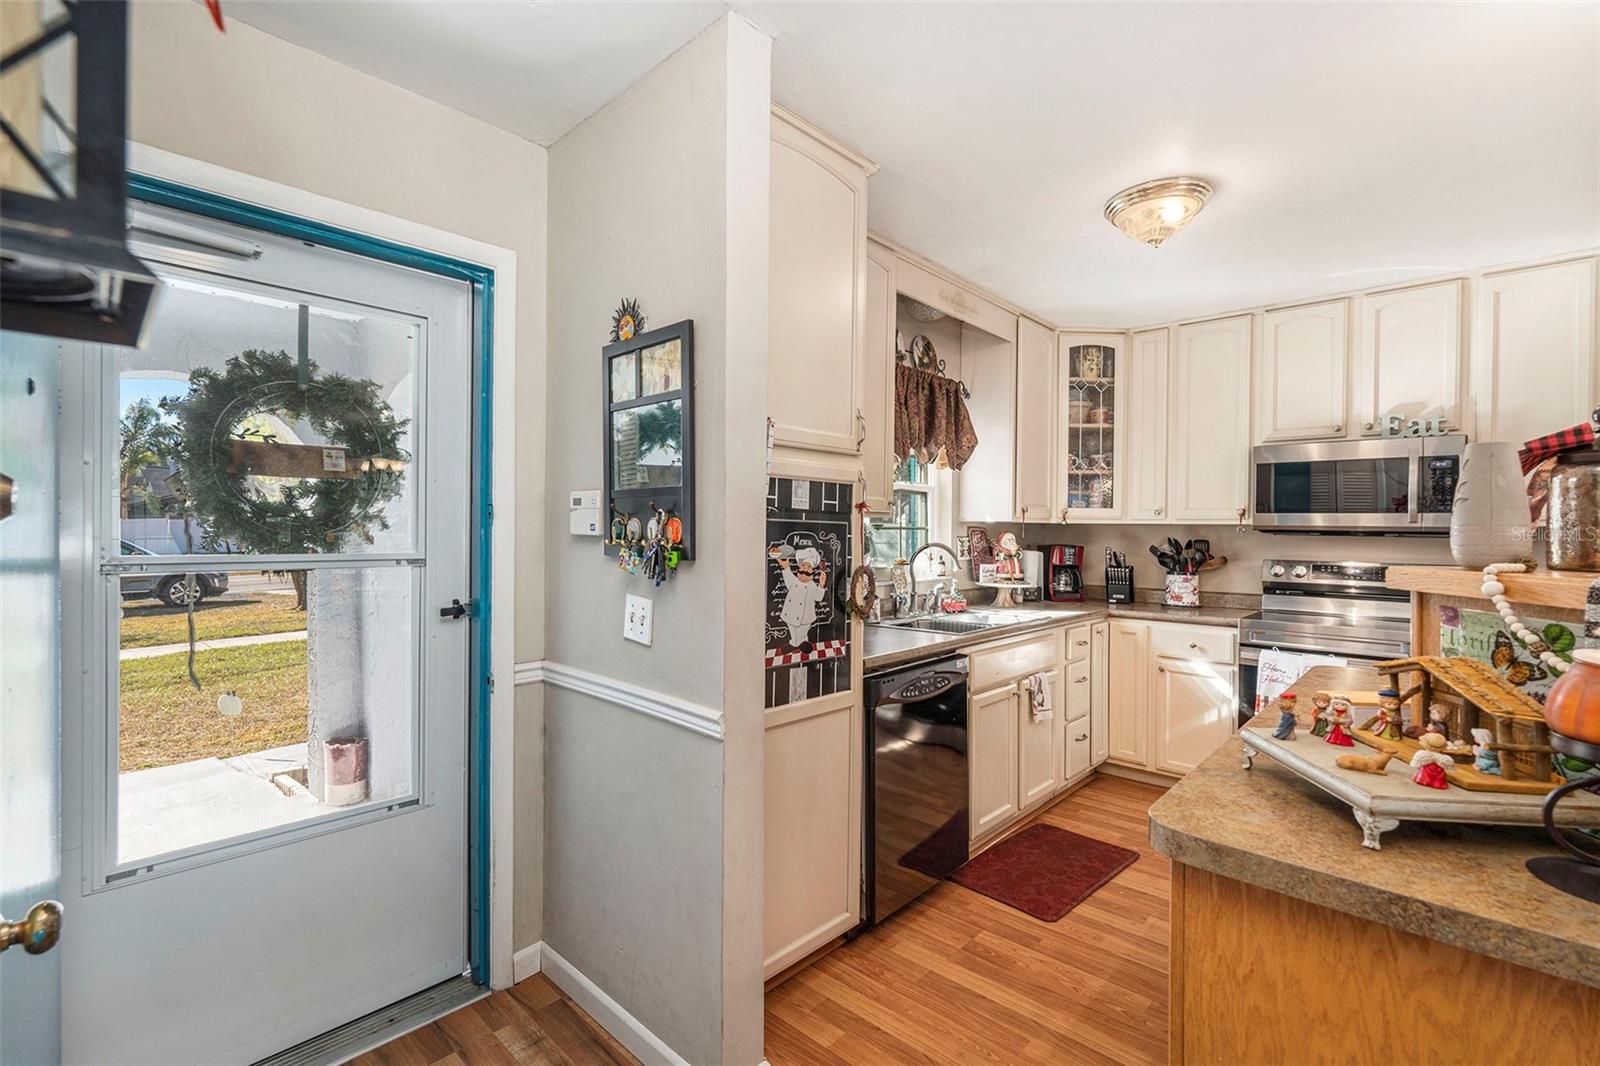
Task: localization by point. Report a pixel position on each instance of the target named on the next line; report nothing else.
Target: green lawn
(149, 623)
(165, 721)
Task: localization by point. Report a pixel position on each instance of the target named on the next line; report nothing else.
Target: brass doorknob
(38, 931)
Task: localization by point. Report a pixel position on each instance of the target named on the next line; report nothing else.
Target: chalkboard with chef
(798, 598)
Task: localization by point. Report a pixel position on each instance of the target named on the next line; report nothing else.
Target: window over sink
(911, 516)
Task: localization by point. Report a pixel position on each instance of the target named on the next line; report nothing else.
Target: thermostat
(585, 512)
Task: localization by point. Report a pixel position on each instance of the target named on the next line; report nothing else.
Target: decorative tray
(1380, 802)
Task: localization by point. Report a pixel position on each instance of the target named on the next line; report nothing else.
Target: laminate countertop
(889, 646)
(1457, 884)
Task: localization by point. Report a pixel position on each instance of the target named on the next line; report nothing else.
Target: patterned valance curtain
(930, 418)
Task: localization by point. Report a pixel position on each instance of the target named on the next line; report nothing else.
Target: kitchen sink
(947, 625)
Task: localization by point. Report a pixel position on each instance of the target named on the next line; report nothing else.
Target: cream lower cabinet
(1173, 693)
(813, 824)
(1099, 693)
(992, 759)
(1016, 763)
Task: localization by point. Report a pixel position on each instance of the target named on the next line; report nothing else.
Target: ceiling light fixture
(1155, 210)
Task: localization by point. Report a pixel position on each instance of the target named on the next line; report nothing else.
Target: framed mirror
(649, 427)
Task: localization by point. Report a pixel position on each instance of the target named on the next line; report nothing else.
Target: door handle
(456, 609)
(38, 930)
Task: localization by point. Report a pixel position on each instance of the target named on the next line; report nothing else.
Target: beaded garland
(1496, 591)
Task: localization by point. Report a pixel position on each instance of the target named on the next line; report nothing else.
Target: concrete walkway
(207, 645)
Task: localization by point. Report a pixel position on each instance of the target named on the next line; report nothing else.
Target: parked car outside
(170, 589)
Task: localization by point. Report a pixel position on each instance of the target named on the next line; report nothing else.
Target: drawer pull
(1081, 737)
(1080, 681)
(1193, 646)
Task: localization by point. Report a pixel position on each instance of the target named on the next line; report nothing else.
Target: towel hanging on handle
(1039, 697)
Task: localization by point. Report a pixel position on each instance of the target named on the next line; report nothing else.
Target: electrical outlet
(637, 623)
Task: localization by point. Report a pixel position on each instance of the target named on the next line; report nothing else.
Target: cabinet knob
(1193, 646)
(1081, 736)
(1158, 512)
(1369, 425)
(1080, 680)
(1338, 429)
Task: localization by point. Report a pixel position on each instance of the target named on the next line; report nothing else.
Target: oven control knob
(1277, 570)
(1299, 571)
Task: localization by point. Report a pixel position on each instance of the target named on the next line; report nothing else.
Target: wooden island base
(1261, 977)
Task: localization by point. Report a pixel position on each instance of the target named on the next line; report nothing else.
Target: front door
(265, 710)
(30, 823)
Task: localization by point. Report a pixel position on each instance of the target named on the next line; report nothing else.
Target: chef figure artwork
(801, 573)
(805, 582)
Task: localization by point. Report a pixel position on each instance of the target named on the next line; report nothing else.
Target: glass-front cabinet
(1090, 412)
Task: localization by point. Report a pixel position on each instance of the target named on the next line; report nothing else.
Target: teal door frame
(481, 279)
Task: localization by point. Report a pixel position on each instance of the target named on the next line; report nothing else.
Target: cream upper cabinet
(1301, 372)
(1209, 451)
(1410, 359)
(877, 448)
(1144, 464)
(1192, 711)
(992, 758)
(1099, 693)
(1128, 734)
(1038, 742)
(816, 366)
(1090, 405)
(1534, 351)
(1036, 381)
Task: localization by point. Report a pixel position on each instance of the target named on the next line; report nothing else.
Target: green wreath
(306, 515)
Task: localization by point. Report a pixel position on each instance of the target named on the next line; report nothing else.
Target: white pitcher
(1489, 521)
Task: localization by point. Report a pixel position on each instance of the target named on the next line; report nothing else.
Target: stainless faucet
(911, 567)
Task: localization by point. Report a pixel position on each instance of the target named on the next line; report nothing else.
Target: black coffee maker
(1064, 573)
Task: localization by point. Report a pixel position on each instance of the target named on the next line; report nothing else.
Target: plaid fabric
(822, 649)
(1551, 445)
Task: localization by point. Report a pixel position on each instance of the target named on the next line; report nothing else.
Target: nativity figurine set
(1332, 723)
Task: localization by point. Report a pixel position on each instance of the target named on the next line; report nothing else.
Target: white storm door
(272, 842)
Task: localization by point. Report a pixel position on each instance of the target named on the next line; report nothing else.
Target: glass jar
(1574, 510)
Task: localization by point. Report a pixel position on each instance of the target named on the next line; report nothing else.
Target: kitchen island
(1292, 942)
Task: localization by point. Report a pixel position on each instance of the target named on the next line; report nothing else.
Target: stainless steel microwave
(1388, 485)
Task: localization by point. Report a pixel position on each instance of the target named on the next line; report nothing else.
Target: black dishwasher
(916, 782)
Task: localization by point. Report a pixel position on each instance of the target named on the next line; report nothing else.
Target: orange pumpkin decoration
(1572, 707)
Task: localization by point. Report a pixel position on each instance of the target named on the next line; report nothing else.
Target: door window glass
(267, 423)
(286, 712)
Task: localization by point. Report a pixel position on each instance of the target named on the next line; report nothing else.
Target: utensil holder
(1183, 590)
(1119, 584)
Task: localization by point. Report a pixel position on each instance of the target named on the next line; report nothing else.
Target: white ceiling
(1351, 145)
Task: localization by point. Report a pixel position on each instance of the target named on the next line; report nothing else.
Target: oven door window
(1334, 486)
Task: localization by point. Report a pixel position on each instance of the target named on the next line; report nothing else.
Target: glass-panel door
(1091, 430)
(269, 708)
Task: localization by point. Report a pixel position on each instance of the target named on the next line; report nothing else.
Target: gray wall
(653, 833)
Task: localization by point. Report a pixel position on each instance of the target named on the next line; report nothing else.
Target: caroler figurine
(1319, 711)
(1431, 762)
(1338, 717)
(1286, 723)
(1386, 726)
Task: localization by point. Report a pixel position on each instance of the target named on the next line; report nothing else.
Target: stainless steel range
(1341, 609)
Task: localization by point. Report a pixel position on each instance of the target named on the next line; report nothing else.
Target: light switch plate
(637, 620)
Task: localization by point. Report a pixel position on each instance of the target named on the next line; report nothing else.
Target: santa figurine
(1338, 718)
(1386, 726)
(1286, 723)
(1319, 712)
(1431, 762)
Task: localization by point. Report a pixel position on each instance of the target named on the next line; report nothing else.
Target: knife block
(1119, 584)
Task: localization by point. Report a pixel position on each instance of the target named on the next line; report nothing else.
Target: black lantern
(65, 267)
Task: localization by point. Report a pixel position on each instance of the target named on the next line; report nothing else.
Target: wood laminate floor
(954, 979)
(532, 1022)
(958, 978)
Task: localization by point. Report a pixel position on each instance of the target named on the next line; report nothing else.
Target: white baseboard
(525, 963)
(624, 1027)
